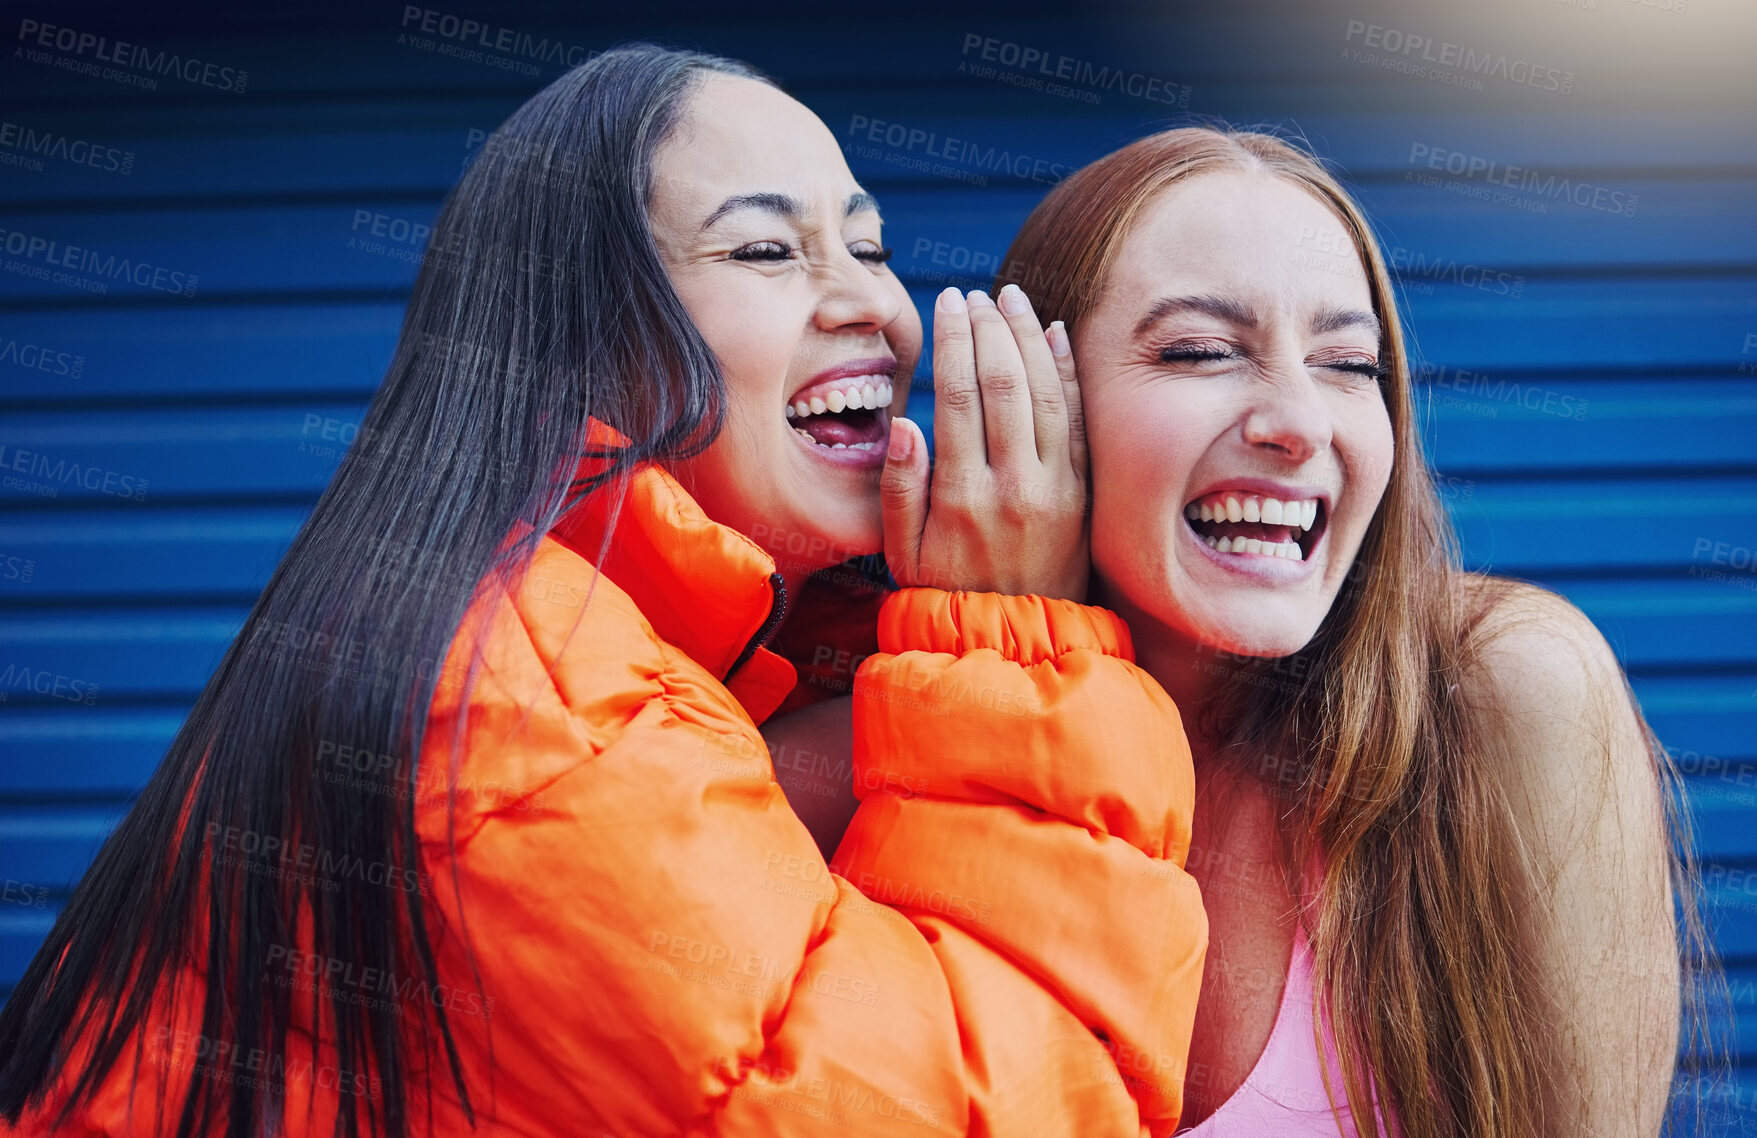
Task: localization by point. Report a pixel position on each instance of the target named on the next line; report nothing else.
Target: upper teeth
(1270, 511)
(871, 394)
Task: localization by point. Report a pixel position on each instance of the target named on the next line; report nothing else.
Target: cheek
(1146, 443)
(732, 477)
(749, 334)
(1368, 448)
(1141, 453)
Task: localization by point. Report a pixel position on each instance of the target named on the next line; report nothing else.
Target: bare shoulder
(1569, 749)
(1551, 695)
(1537, 654)
(1582, 788)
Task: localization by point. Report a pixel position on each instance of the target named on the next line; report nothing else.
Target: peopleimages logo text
(35, 464)
(1556, 188)
(1470, 61)
(34, 144)
(1070, 69)
(34, 248)
(993, 159)
(507, 41)
(133, 56)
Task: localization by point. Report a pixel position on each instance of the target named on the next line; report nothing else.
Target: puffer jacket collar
(704, 587)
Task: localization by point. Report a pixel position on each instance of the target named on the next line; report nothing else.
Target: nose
(1288, 415)
(856, 299)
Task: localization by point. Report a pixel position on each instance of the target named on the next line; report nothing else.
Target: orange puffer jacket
(1007, 943)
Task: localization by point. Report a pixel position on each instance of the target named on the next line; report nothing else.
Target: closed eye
(780, 251)
(1371, 368)
(1194, 353)
(762, 251)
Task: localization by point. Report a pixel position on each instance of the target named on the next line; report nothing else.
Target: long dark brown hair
(1423, 961)
(542, 302)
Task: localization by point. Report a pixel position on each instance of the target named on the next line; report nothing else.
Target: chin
(817, 541)
(1259, 636)
(859, 537)
(1257, 648)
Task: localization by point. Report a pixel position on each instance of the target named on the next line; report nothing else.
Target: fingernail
(902, 442)
(1057, 335)
(951, 300)
(1011, 300)
(978, 298)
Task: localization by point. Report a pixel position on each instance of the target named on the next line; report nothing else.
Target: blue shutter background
(1574, 223)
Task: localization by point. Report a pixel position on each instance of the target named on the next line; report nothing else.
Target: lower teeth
(807, 436)
(1287, 549)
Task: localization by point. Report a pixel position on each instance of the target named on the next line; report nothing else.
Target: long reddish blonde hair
(1422, 965)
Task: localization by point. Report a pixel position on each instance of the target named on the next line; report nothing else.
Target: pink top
(1284, 1094)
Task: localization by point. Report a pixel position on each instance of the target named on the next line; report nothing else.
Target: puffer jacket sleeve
(1026, 795)
(657, 947)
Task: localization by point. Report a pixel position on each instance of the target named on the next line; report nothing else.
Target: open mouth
(845, 413)
(1246, 524)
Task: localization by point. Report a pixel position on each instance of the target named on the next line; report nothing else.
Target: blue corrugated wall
(1574, 222)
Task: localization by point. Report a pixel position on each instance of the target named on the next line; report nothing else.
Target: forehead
(737, 135)
(1243, 233)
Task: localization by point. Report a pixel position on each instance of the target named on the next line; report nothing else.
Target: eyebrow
(1335, 319)
(1221, 308)
(1216, 306)
(787, 207)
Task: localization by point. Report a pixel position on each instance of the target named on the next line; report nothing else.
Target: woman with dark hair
(473, 828)
(1434, 834)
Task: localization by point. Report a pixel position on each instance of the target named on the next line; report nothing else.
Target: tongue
(831, 428)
